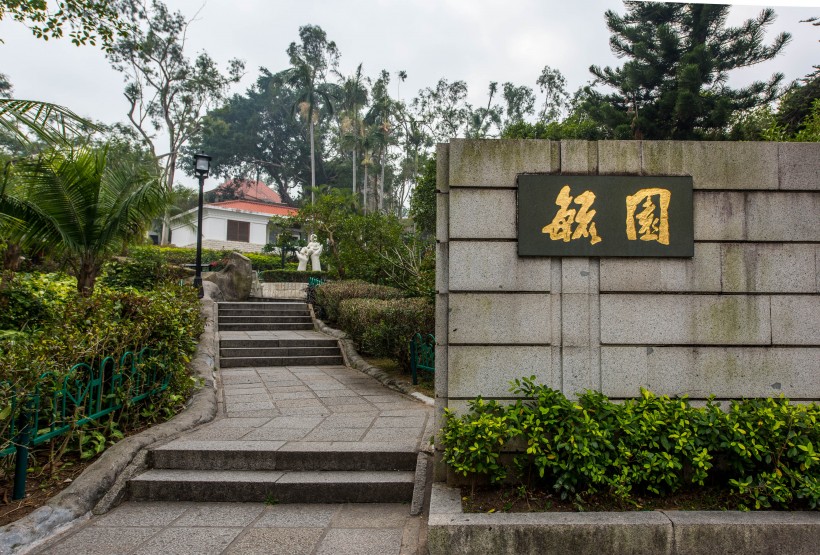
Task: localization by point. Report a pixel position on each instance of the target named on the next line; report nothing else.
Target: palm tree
(81, 203)
(309, 64)
(353, 96)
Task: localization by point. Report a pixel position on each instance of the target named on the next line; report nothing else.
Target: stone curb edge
(451, 531)
(100, 482)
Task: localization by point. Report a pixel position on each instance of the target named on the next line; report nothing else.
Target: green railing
(422, 355)
(315, 282)
(61, 403)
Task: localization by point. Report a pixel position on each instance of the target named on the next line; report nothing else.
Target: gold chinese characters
(652, 220)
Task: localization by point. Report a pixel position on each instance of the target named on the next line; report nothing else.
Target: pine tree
(673, 85)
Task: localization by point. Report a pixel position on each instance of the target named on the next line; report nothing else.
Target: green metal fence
(61, 403)
(422, 355)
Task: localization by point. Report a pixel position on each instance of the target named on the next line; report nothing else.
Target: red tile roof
(256, 206)
(252, 190)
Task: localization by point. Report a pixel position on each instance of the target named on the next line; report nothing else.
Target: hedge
(290, 276)
(329, 295)
(384, 327)
(762, 451)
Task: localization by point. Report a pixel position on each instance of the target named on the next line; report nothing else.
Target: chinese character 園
(653, 220)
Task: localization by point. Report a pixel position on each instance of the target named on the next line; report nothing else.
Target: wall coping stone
(451, 531)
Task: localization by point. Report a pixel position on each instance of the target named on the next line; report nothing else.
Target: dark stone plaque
(601, 215)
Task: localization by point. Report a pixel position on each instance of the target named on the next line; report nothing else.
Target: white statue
(303, 254)
(315, 249)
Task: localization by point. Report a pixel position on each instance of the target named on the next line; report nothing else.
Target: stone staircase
(273, 315)
(232, 469)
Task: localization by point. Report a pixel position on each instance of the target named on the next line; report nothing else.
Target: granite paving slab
(242, 528)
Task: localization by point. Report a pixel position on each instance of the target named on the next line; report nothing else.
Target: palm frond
(51, 123)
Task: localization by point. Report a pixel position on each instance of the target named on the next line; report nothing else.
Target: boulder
(235, 279)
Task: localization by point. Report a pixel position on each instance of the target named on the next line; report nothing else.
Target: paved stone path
(306, 408)
(245, 529)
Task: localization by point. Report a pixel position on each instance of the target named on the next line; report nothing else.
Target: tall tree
(166, 91)
(310, 62)
(519, 102)
(379, 117)
(87, 20)
(673, 85)
(255, 135)
(81, 203)
(353, 97)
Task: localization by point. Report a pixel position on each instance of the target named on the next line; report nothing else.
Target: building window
(239, 231)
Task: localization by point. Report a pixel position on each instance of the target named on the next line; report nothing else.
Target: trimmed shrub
(264, 262)
(289, 276)
(761, 451)
(329, 295)
(384, 327)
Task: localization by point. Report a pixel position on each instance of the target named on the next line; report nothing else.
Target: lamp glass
(203, 163)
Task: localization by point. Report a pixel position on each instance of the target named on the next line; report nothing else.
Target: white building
(240, 225)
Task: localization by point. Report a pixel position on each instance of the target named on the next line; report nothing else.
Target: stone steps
(273, 486)
(239, 312)
(261, 455)
(265, 319)
(276, 352)
(260, 361)
(265, 327)
(274, 343)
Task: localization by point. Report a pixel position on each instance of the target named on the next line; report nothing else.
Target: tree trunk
(312, 162)
(381, 184)
(355, 157)
(11, 258)
(364, 190)
(165, 237)
(86, 276)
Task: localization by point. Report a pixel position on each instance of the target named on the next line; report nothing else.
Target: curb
(100, 486)
(451, 531)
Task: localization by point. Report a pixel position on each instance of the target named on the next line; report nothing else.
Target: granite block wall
(740, 318)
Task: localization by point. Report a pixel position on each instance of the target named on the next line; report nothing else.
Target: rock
(235, 280)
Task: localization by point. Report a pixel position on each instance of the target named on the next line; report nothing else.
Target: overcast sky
(473, 40)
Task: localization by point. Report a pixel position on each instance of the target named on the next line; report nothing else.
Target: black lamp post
(202, 166)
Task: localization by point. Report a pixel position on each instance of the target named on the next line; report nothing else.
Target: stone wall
(741, 318)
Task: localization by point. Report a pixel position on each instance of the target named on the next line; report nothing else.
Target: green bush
(289, 276)
(764, 449)
(264, 262)
(179, 256)
(30, 301)
(384, 327)
(329, 295)
(145, 268)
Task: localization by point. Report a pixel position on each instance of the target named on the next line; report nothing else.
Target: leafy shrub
(145, 268)
(384, 327)
(290, 276)
(109, 323)
(764, 449)
(31, 300)
(264, 262)
(329, 295)
(179, 255)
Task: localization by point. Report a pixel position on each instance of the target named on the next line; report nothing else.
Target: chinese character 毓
(562, 225)
(653, 219)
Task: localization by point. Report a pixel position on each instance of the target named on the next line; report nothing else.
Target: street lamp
(202, 166)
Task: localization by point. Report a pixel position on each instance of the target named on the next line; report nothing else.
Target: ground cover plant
(47, 327)
(755, 454)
